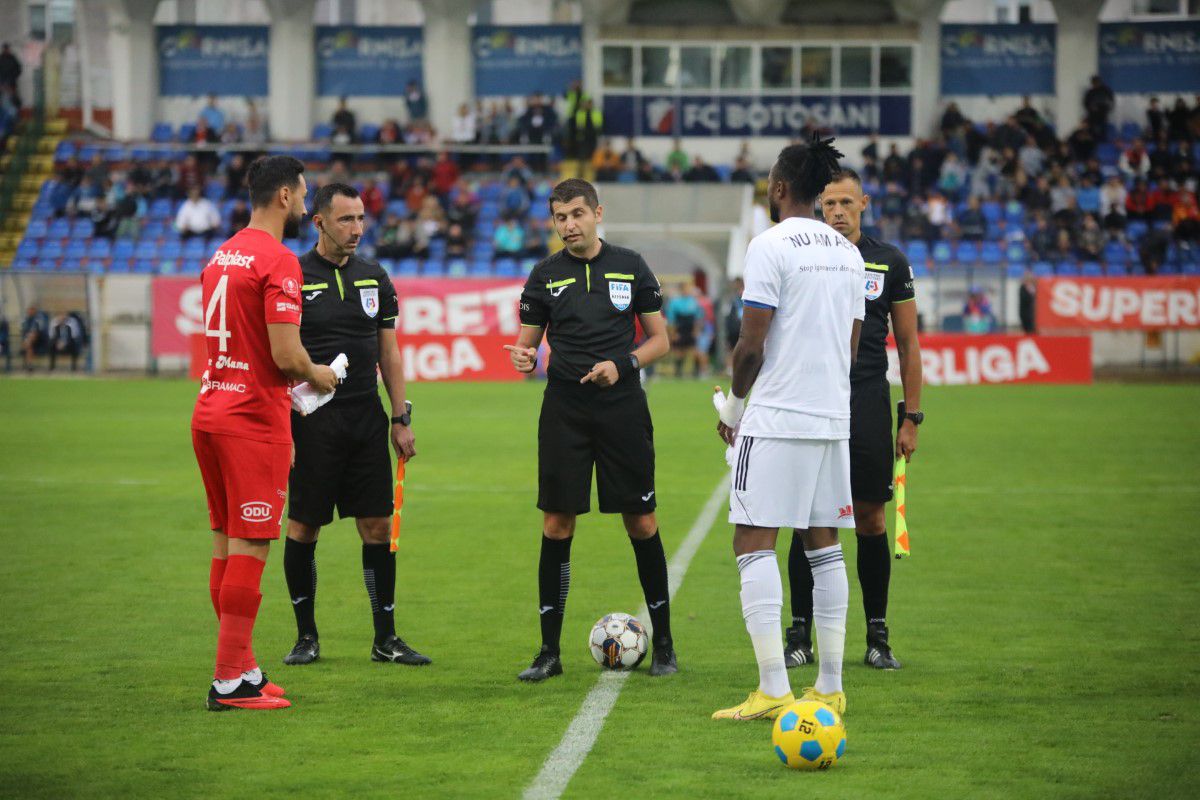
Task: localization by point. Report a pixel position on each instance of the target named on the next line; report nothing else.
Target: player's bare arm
(747, 361)
(523, 354)
(855, 334)
(391, 368)
(904, 325)
(292, 359)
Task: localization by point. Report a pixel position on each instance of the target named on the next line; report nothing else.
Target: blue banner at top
(367, 62)
(212, 59)
(998, 59)
(523, 59)
(1142, 57)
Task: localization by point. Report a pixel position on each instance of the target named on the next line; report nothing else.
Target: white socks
(762, 598)
(831, 596)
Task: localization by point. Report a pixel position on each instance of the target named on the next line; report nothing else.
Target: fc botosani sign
(755, 115)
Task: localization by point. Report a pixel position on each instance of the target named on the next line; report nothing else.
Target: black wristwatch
(915, 417)
(404, 419)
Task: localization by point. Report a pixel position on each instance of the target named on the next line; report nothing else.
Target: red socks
(239, 600)
(216, 574)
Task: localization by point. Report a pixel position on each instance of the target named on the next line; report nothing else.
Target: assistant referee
(594, 410)
(342, 454)
(889, 292)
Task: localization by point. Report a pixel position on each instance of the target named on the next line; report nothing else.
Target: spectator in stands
(415, 194)
(1185, 218)
(518, 168)
(458, 242)
(414, 236)
(952, 177)
(1087, 196)
(35, 335)
(895, 168)
(104, 219)
(71, 172)
(677, 160)
(203, 134)
(390, 132)
(937, 212)
(212, 116)
(743, 171)
(464, 208)
(537, 237)
(163, 179)
(98, 170)
(8, 115)
(1043, 239)
(388, 243)
(509, 238)
(971, 225)
(701, 172)
(538, 122)
(977, 312)
(1082, 142)
(606, 162)
(344, 123)
(68, 335)
(1060, 194)
(1177, 121)
(1137, 202)
(502, 123)
(191, 176)
(83, 198)
(1135, 161)
(10, 71)
(1152, 250)
(1027, 303)
(239, 216)
(1162, 202)
(464, 129)
(235, 176)
(416, 102)
(445, 174)
(1090, 241)
(1028, 117)
(631, 158)
(952, 121)
(372, 197)
(232, 134)
(1033, 158)
(1113, 197)
(255, 129)
(197, 216)
(1156, 120)
(1098, 103)
(914, 224)
(584, 128)
(431, 219)
(514, 202)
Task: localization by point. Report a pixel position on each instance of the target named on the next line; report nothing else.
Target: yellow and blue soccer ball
(809, 735)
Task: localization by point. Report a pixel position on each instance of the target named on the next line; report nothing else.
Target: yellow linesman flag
(901, 520)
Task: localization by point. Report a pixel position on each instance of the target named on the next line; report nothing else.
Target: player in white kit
(803, 309)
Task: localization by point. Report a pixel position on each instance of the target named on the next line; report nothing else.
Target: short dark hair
(568, 190)
(845, 174)
(268, 174)
(324, 197)
(806, 168)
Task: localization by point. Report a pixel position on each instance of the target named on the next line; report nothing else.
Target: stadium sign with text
(523, 59)
(196, 60)
(367, 62)
(1140, 57)
(998, 59)
(755, 115)
(962, 359)
(1156, 303)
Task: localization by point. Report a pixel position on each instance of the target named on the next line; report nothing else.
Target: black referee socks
(554, 580)
(800, 583)
(300, 571)
(652, 572)
(379, 575)
(874, 574)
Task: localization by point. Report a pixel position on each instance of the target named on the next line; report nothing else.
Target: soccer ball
(618, 641)
(809, 735)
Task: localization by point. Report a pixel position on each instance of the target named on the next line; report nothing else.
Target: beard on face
(291, 226)
(773, 209)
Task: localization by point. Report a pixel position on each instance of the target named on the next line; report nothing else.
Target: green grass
(1046, 618)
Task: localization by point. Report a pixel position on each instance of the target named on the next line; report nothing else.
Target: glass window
(618, 67)
(656, 68)
(816, 67)
(777, 67)
(735, 67)
(895, 67)
(695, 67)
(856, 67)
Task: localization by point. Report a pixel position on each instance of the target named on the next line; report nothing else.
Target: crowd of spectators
(10, 100)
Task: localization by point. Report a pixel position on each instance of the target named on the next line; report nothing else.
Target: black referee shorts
(582, 425)
(342, 459)
(872, 448)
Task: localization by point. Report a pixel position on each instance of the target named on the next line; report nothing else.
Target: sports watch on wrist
(915, 417)
(404, 419)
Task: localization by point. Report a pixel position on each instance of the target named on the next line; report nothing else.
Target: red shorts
(246, 483)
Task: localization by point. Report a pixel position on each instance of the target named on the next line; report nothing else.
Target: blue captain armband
(756, 304)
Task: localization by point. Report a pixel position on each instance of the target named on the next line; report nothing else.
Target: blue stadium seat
(437, 248)
(1130, 130)
(52, 250)
(322, 130)
(167, 266)
(154, 230)
(75, 259)
(146, 250)
(215, 191)
(170, 250)
(37, 229)
(60, 229)
(992, 211)
(433, 268)
(1107, 154)
(159, 209)
(45, 265)
(82, 229)
(87, 151)
(1116, 270)
(942, 253)
(28, 248)
(389, 265)
(1015, 270)
(1016, 253)
(94, 266)
(162, 133)
(192, 266)
(121, 265)
(1091, 269)
(65, 149)
(990, 253)
(457, 268)
(1115, 254)
(507, 268)
(920, 269)
(408, 268)
(916, 250)
(481, 268)
(368, 132)
(143, 266)
(187, 132)
(115, 152)
(294, 245)
(77, 250)
(20, 264)
(194, 248)
(966, 253)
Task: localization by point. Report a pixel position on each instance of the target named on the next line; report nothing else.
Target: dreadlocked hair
(807, 168)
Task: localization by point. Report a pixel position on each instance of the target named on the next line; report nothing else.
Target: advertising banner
(196, 60)
(523, 59)
(448, 329)
(755, 115)
(1142, 57)
(1152, 303)
(367, 62)
(998, 59)
(961, 359)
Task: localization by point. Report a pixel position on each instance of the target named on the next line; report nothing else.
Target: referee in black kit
(889, 293)
(342, 454)
(594, 410)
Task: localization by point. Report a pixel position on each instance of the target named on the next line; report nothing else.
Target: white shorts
(791, 483)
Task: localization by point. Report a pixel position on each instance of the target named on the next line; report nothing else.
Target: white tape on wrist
(732, 410)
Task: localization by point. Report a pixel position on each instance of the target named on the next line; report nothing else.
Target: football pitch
(1046, 619)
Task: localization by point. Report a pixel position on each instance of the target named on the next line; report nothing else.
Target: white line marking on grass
(76, 481)
(581, 734)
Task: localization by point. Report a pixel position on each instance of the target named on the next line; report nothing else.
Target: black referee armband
(627, 365)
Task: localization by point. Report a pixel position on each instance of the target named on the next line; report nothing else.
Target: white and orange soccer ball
(618, 641)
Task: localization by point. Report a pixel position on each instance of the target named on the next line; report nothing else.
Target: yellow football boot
(835, 700)
(757, 706)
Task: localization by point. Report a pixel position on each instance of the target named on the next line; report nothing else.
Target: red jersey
(251, 281)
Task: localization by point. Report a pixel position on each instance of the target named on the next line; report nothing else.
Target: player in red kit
(241, 426)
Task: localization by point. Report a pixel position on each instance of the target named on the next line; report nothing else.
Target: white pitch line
(581, 734)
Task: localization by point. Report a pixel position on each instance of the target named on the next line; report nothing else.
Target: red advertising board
(958, 359)
(448, 329)
(1150, 303)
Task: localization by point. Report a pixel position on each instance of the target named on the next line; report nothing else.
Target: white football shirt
(813, 277)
